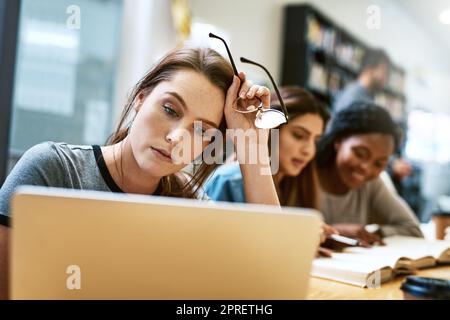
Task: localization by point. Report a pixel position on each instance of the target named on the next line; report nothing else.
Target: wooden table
(321, 289)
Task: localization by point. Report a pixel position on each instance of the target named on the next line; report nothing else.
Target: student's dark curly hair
(359, 118)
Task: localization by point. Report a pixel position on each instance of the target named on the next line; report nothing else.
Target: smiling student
(351, 155)
(187, 87)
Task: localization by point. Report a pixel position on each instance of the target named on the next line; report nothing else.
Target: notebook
(365, 267)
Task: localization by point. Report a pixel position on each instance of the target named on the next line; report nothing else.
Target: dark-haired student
(372, 78)
(188, 91)
(351, 155)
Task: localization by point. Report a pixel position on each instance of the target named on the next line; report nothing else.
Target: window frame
(9, 26)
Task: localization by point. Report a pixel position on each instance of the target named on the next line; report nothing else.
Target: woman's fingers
(370, 238)
(329, 230)
(251, 92)
(377, 239)
(323, 252)
(364, 244)
(326, 231)
(263, 93)
(260, 92)
(244, 92)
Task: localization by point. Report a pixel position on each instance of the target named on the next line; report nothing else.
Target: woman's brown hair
(302, 190)
(203, 60)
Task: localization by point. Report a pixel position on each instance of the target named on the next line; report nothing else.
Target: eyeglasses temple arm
(244, 60)
(212, 35)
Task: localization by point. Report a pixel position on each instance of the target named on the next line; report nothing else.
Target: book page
(398, 247)
(347, 268)
(417, 248)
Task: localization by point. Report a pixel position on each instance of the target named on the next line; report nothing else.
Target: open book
(367, 267)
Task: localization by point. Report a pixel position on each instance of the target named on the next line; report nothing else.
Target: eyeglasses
(265, 118)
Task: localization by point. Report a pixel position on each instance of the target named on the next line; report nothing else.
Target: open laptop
(69, 244)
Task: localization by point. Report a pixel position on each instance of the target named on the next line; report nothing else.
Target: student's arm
(40, 166)
(392, 213)
(4, 245)
(258, 187)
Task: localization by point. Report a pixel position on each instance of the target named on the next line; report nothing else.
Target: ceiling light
(445, 16)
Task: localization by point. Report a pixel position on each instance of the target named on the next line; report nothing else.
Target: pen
(344, 240)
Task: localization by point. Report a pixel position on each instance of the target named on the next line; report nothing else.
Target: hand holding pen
(360, 232)
(331, 237)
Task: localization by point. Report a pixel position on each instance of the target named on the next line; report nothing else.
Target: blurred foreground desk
(320, 289)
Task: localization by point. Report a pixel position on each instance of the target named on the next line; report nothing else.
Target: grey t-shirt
(353, 92)
(373, 203)
(60, 165)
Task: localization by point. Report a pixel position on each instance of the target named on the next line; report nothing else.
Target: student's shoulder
(50, 153)
(50, 150)
(227, 176)
(230, 171)
(42, 152)
(377, 183)
(39, 165)
(377, 187)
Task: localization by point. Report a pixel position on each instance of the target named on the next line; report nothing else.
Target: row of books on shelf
(396, 80)
(330, 82)
(332, 42)
(395, 105)
(346, 54)
(327, 81)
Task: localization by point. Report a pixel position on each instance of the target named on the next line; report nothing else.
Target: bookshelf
(323, 57)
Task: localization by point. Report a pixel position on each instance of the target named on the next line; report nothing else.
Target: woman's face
(298, 143)
(361, 158)
(165, 119)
